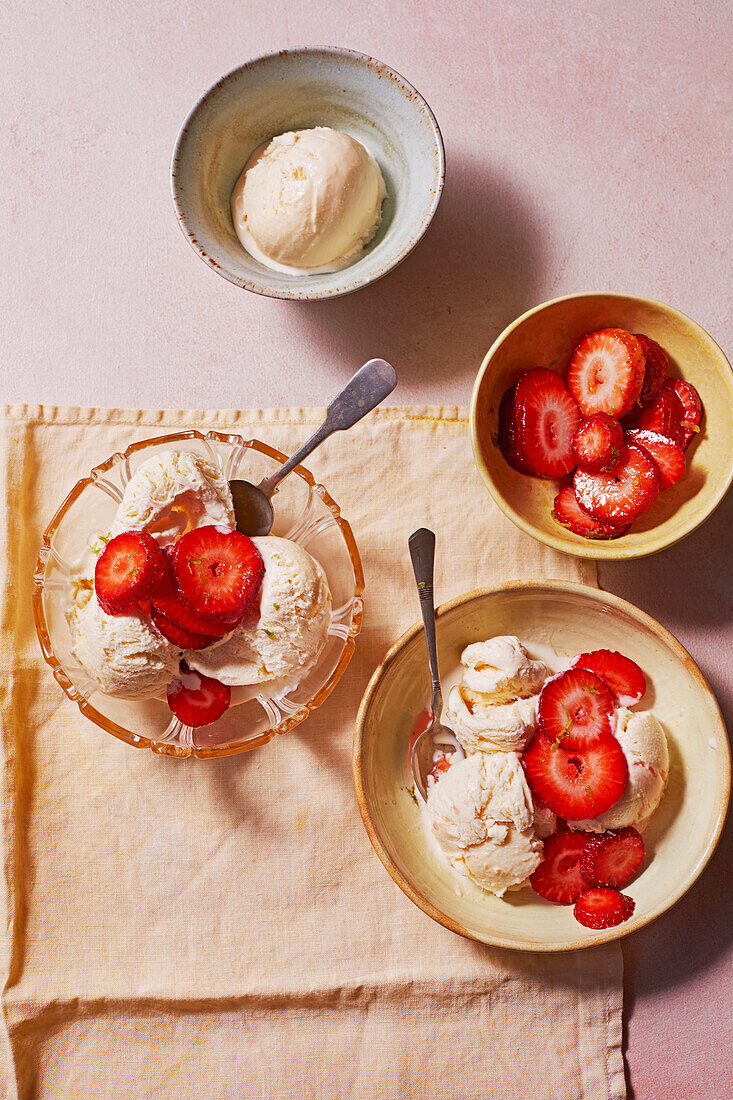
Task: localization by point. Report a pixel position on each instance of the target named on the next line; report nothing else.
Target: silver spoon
(422, 552)
(369, 386)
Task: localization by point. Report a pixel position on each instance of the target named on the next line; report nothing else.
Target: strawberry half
(576, 784)
(612, 858)
(597, 443)
(567, 512)
(178, 635)
(664, 415)
(621, 496)
(623, 676)
(575, 709)
(129, 568)
(656, 366)
(507, 433)
(559, 877)
(218, 572)
(692, 408)
(547, 417)
(602, 907)
(197, 700)
(606, 372)
(668, 457)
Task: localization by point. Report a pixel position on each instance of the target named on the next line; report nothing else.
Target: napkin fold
(223, 929)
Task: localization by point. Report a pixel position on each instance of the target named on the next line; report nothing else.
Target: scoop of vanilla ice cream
(482, 816)
(285, 632)
(482, 726)
(501, 670)
(645, 747)
(124, 654)
(172, 493)
(308, 201)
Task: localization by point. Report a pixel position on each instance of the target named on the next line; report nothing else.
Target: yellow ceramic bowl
(682, 834)
(546, 336)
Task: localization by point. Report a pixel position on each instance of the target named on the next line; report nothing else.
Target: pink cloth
(586, 149)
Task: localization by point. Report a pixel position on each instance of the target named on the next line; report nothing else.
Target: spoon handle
(369, 386)
(422, 552)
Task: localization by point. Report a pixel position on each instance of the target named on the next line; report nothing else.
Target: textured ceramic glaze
(296, 90)
(571, 618)
(546, 336)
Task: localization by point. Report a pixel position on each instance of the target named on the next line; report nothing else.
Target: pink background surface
(586, 150)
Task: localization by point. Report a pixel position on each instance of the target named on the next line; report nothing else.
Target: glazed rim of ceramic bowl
(136, 740)
(612, 550)
(635, 922)
(304, 51)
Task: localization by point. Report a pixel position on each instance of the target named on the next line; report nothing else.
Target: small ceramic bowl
(571, 618)
(304, 512)
(547, 336)
(296, 90)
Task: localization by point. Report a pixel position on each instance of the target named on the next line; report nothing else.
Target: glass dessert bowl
(305, 513)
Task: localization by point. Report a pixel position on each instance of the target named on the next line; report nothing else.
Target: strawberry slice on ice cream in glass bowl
(646, 398)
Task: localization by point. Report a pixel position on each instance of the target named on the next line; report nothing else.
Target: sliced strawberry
(612, 858)
(668, 457)
(597, 443)
(656, 366)
(129, 568)
(576, 784)
(537, 376)
(623, 676)
(568, 513)
(692, 408)
(218, 572)
(559, 878)
(622, 495)
(601, 907)
(547, 417)
(664, 415)
(175, 610)
(575, 709)
(606, 372)
(507, 433)
(197, 700)
(178, 635)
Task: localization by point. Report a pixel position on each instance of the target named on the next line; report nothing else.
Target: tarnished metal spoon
(369, 386)
(436, 736)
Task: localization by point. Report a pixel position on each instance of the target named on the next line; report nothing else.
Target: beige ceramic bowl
(546, 336)
(571, 618)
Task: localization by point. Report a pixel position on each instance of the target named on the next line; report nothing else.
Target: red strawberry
(621, 496)
(218, 572)
(692, 408)
(597, 443)
(178, 635)
(559, 878)
(198, 700)
(440, 766)
(575, 709)
(602, 907)
(656, 365)
(612, 858)
(664, 415)
(129, 568)
(667, 456)
(576, 784)
(167, 603)
(623, 676)
(568, 513)
(547, 417)
(537, 376)
(606, 372)
(507, 433)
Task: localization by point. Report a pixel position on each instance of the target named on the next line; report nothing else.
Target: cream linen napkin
(223, 929)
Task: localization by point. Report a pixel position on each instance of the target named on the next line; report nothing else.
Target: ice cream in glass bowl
(147, 670)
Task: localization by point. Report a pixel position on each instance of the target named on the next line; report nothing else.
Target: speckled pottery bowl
(295, 90)
(547, 336)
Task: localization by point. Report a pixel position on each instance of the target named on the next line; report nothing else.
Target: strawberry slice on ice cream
(612, 858)
(128, 570)
(576, 784)
(622, 675)
(559, 878)
(576, 709)
(217, 572)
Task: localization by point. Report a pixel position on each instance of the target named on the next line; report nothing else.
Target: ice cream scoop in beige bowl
(305, 513)
(302, 89)
(571, 618)
(546, 336)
